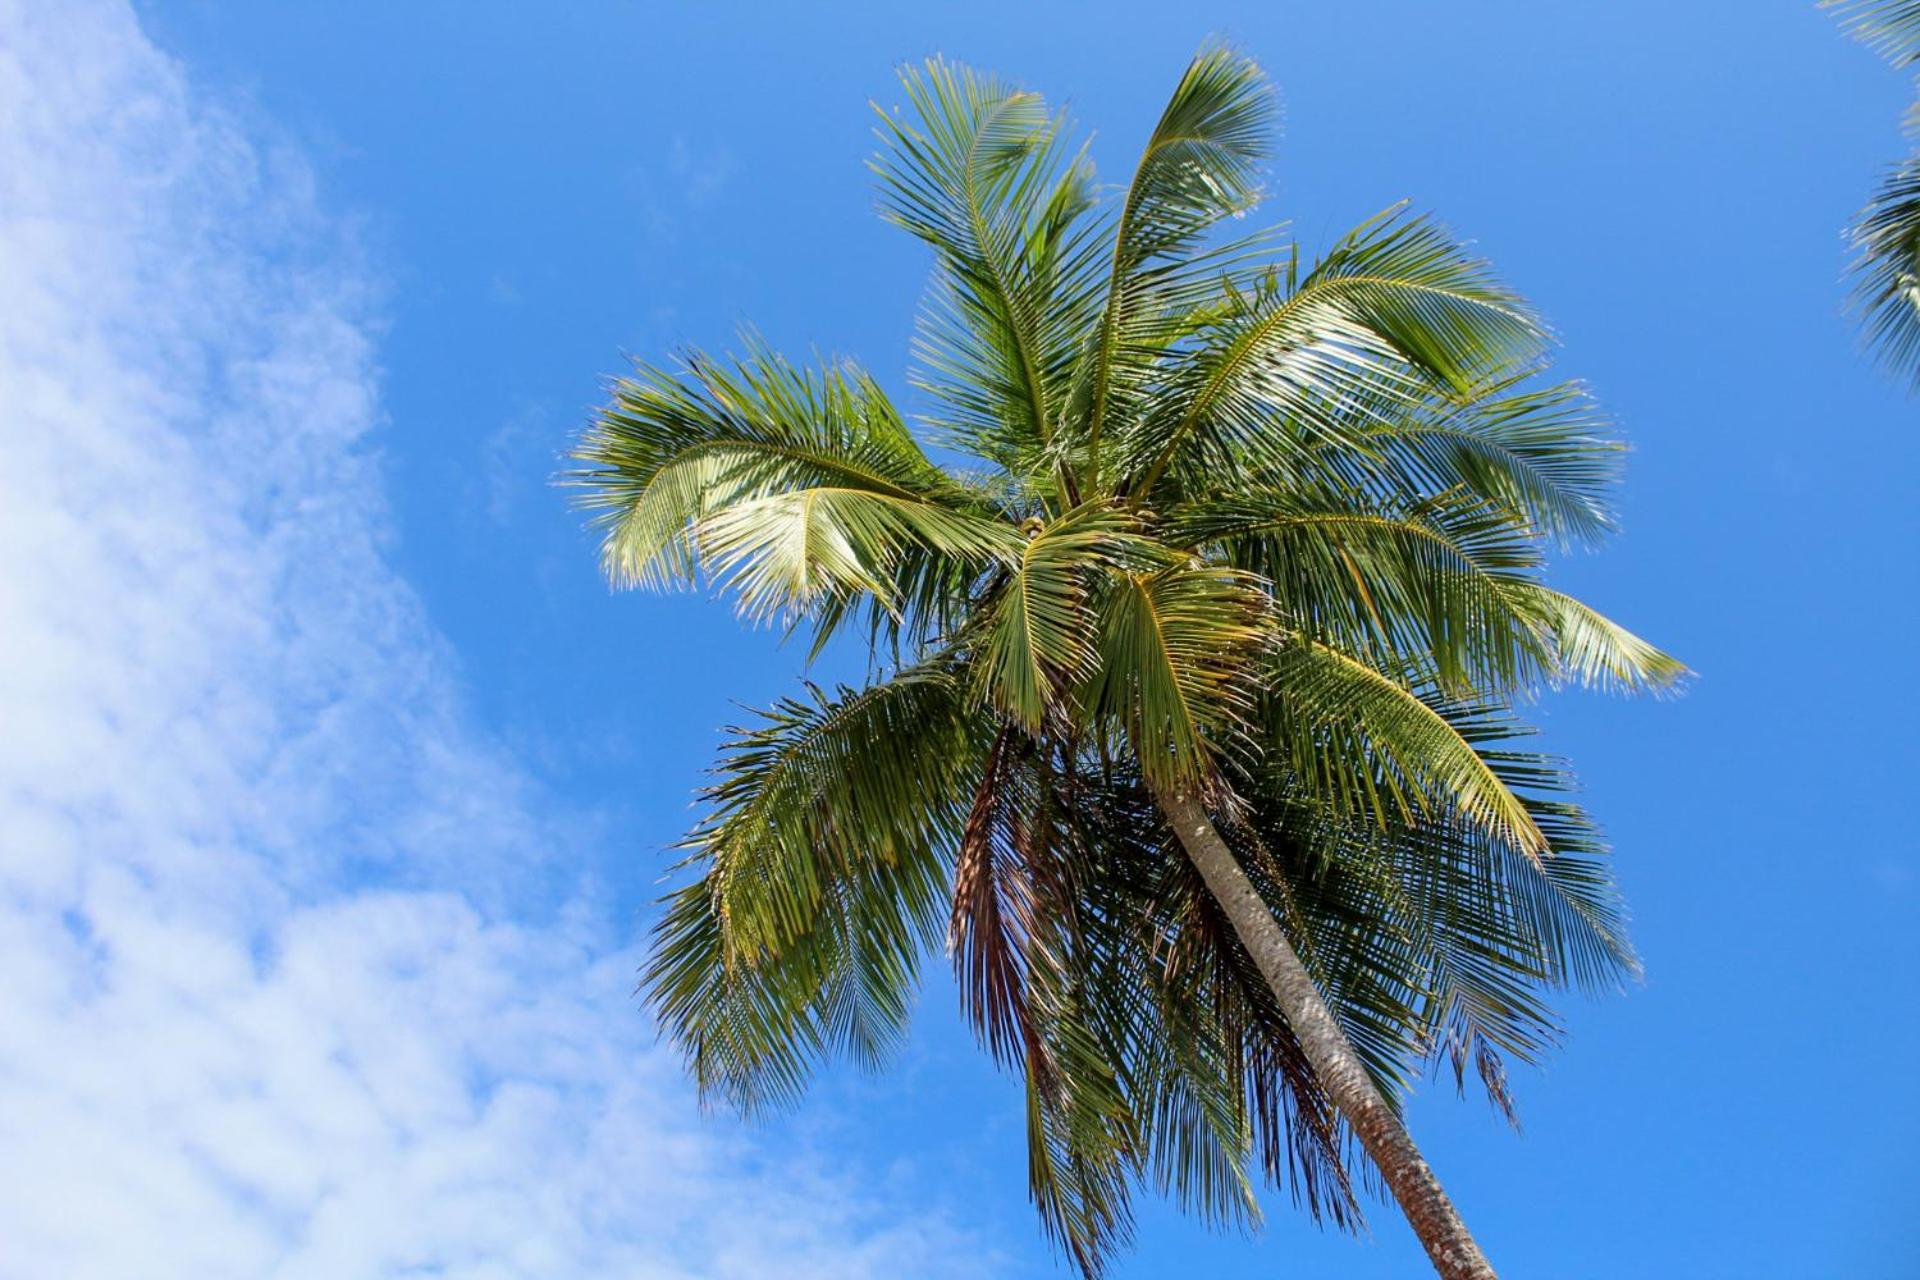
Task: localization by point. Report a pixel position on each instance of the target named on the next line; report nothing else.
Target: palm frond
(1040, 630)
(785, 555)
(1545, 454)
(1421, 583)
(749, 1033)
(982, 173)
(835, 781)
(1200, 1128)
(752, 1024)
(1201, 165)
(824, 860)
(1591, 649)
(1175, 648)
(1393, 312)
(794, 488)
(1891, 28)
(1434, 938)
(1078, 1175)
(1357, 729)
(1886, 269)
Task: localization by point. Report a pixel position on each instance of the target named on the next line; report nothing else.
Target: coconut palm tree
(1194, 628)
(1886, 234)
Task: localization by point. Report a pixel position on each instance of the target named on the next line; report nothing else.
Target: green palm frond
(1201, 1131)
(1890, 28)
(1200, 165)
(793, 488)
(982, 173)
(1400, 583)
(835, 781)
(1343, 914)
(1571, 900)
(1040, 624)
(1396, 310)
(1591, 649)
(1405, 279)
(677, 443)
(824, 876)
(1079, 1174)
(1381, 747)
(752, 1026)
(1544, 454)
(1885, 235)
(748, 1032)
(1434, 939)
(1176, 644)
(1886, 269)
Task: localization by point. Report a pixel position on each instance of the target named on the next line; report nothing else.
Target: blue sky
(335, 784)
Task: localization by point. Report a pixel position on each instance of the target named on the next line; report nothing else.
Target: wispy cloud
(267, 1012)
(701, 174)
(516, 458)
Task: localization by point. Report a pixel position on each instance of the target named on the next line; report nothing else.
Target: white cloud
(266, 1013)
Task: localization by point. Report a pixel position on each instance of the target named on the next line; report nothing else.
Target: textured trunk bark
(1453, 1251)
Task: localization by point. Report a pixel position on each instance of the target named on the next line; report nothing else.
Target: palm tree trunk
(1453, 1251)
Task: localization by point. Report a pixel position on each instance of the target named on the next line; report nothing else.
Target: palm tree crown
(1241, 536)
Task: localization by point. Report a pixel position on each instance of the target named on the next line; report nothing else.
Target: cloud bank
(267, 1009)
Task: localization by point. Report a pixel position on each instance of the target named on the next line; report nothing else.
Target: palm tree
(1192, 649)
(1886, 234)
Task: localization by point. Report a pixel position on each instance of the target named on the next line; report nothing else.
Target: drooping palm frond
(1394, 311)
(1007, 875)
(749, 1034)
(1371, 740)
(1040, 627)
(1434, 937)
(1545, 455)
(1175, 647)
(753, 1024)
(1396, 582)
(829, 783)
(793, 488)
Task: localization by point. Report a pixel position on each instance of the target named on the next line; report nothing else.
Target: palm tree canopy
(1886, 233)
(1267, 526)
